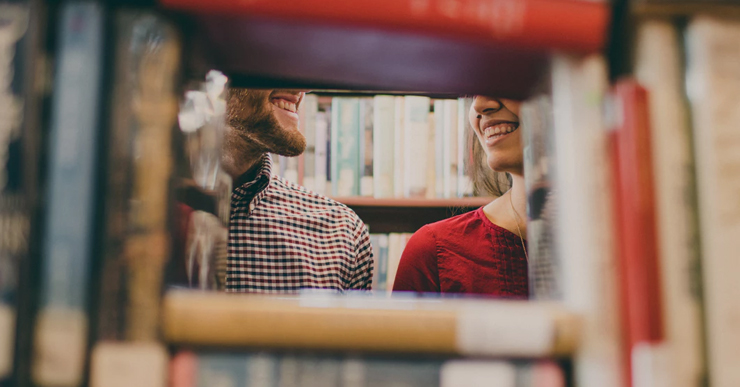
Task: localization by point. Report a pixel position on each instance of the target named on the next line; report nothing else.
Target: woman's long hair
(486, 182)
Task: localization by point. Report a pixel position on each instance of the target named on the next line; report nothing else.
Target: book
(345, 146)
(136, 243)
(366, 147)
(449, 155)
(384, 146)
(584, 222)
(638, 259)
(380, 255)
(322, 156)
(545, 272)
(711, 47)
(366, 323)
(544, 24)
(22, 25)
(310, 108)
(416, 141)
(61, 327)
(465, 137)
(441, 179)
(196, 369)
(659, 68)
(399, 159)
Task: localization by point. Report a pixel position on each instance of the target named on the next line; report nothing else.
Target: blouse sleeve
(417, 269)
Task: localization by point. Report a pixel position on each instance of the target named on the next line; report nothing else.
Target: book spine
(310, 107)
(62, 321)
(345, 133)
(440, 158)
(202, 369)
(399, 159)
(366, 147)
(584, 221)
(137, 239)
(539, 170)
(322, 138)
(382, 258)
(416, 133)
(384, 146)
(712, 85)
(432, 164)
(658, 67)
(289, 167)
(638, 259)
(20, 30)
(450, 153)
(545, 24)
(464, 182)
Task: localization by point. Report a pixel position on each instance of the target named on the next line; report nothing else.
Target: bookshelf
(408, 215)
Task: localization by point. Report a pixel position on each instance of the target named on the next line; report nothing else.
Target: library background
(112, 121)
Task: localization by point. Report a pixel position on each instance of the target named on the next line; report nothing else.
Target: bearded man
(282, 237)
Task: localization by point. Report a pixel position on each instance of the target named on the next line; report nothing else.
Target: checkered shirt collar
(247, 190)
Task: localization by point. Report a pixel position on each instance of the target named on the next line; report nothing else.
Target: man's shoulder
(300, 198)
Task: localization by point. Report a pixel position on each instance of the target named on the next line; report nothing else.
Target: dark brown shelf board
(408, 215)
(268, 53)
(360, 201)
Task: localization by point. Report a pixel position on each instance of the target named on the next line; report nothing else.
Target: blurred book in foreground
(363, 322)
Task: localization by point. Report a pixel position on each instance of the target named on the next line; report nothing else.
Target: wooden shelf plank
(408, 215)
(359, 201)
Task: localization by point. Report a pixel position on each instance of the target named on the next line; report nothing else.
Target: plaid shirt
(283, 238)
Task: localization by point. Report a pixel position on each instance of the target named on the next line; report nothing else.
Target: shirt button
(251, 207)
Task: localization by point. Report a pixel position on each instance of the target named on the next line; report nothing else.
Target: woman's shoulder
(454, 222)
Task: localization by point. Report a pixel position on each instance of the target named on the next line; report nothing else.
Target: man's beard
(254, 128)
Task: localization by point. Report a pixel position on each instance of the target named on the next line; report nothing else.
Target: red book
(637, 239)
(575, 25)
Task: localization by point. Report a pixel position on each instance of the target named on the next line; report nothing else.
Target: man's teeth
(499, 129)
(285, 105)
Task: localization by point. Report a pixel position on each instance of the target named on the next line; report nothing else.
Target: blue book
(62, 321)
(345, 147)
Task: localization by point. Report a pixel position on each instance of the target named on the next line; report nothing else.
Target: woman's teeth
(285, 105)
(499, 130)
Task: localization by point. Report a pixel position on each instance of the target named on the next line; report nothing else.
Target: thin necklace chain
(516, 220)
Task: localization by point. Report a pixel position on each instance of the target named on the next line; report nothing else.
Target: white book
(398, 147)
(395, 248)
(658, 67)
(584, 215)
(449, 154)
(713, 83)
(442, 178)
(432, 166)
(320, 164)
(416, 135)
(464, 182)
(367, 179)
(310, 107)
(384, 126)
(289, 168)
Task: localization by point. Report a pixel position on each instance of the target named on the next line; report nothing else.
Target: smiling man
(282, 237)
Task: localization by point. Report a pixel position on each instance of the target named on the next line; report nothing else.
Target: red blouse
(464, 254)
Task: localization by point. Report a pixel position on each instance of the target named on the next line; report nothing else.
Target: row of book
(88, 109)
(383, 146)
(632, 205)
